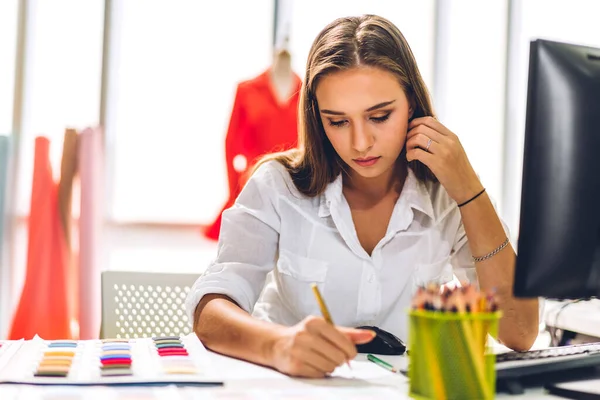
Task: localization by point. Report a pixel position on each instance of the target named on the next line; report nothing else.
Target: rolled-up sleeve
(247, 248)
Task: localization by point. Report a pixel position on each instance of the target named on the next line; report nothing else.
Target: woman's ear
(411, 110)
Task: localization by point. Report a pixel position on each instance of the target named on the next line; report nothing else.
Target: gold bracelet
(492, 253)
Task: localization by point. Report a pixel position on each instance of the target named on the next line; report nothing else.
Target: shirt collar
(414, 194)
(332, 194)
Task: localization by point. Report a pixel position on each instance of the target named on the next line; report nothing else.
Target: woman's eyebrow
(373, 108)
(380, 105)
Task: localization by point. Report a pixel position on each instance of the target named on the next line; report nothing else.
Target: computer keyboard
(552, 352)
(516, 368)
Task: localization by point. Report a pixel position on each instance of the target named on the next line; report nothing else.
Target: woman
(378, 199)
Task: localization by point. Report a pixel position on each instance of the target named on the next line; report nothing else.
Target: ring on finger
(428, 144)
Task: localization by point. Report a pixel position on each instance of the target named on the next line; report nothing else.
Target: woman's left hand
(438, 148)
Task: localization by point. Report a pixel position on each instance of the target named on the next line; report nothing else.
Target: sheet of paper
(27, 392)
(7, 350)
(312, 393)
(364, 369)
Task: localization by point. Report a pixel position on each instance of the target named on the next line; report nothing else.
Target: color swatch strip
(115, 358)
(57, 359)
(174, 357)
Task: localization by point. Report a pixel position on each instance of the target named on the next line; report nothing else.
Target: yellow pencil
(324, 310)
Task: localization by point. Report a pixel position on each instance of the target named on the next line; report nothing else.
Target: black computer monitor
(559, 235)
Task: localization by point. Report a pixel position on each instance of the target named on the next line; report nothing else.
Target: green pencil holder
(448, 355)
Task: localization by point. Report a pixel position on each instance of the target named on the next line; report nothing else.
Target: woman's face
(365, 114)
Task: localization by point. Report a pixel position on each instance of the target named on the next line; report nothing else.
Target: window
(174, 66)
(8, 42)
(470, 82)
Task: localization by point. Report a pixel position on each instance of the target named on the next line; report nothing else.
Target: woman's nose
(362, 140)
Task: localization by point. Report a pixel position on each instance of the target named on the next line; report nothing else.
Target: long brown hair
(345, 43)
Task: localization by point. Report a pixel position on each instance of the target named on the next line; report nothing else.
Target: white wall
(470, 82)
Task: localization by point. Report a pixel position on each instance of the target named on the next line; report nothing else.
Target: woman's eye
(381, 119)
(339, 123)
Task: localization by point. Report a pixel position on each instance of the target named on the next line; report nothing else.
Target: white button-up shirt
(275, 242)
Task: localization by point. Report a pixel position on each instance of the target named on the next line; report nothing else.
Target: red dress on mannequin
(259, 124)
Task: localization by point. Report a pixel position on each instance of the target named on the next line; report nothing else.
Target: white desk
(247, 381)
(581, 317)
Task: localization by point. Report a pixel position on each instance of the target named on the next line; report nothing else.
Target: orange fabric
(259, 124)
(43, 307)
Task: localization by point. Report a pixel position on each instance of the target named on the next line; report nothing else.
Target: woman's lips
(366, 162)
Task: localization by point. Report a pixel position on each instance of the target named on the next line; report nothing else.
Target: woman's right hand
(314, 348)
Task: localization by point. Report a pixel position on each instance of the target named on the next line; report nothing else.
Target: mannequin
(282, 75)
(263, 120)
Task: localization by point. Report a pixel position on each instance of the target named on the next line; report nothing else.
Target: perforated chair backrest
(144, 304)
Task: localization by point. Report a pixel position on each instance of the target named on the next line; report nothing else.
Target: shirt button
(371, 277)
